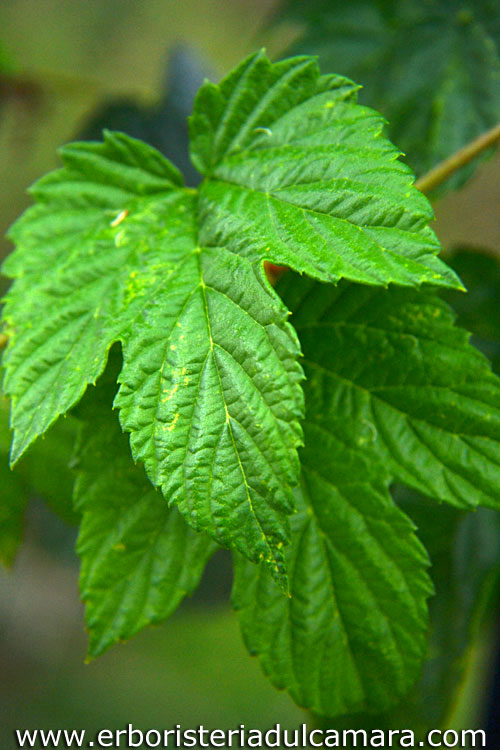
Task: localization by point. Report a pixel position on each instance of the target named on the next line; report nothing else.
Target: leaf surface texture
(139, 558)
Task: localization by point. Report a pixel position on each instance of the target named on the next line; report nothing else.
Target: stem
(463, 156)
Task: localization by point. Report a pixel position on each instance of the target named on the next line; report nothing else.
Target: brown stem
(463, 156)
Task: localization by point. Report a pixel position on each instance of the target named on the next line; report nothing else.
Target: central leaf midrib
(326, 542)
(228, 416)
(321, 536)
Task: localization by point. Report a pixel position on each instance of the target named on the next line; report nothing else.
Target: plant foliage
(432, 68)
(212, 377)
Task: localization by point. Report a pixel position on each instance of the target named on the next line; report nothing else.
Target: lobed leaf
(210, 388)
(73, 294)
(299, 174)
(210, 393)
(116, 249)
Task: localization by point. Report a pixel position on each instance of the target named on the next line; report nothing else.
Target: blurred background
(67, 69)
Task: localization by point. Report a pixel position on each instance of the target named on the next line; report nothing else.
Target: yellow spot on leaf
(172, 426)
(170, 394)
(118, 219)
(267, 131)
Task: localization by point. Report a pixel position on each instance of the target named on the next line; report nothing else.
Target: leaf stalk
(438, 174)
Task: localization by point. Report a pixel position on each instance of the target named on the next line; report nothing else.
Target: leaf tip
(279, 574)
(18, 448)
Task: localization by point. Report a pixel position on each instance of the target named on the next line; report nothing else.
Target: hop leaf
(117, 249)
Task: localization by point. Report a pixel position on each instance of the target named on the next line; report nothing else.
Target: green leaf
(210, 386)
(116, 249)
(433, 69)
(139, 559)
(74, 293)
(353, 634)
(478, 310)
(390, 374)
(393, 391)
(299, 174)
(464, 549)
(209, 391)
